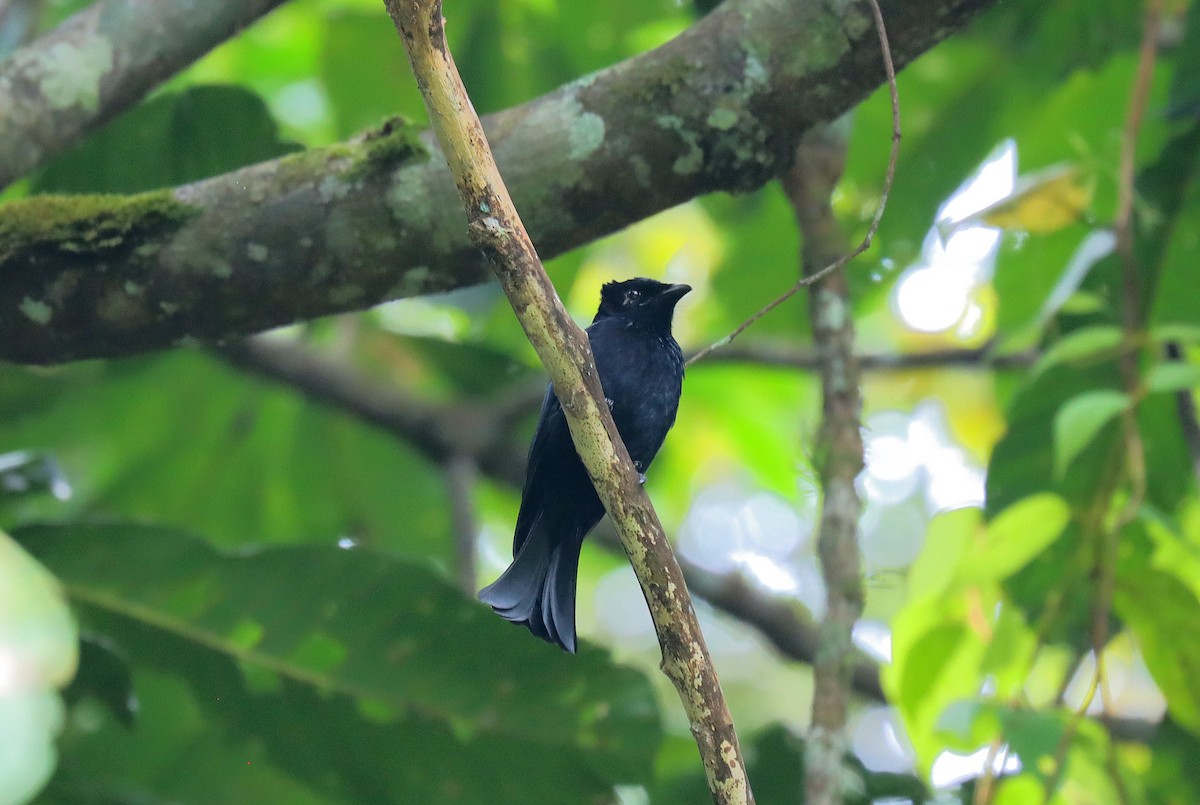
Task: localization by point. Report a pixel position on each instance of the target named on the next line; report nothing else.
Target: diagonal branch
(100, 62)
(441, 432)
(345, 227)
(483, 433)
(495, 228)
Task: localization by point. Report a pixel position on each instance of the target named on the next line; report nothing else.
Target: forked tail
(538, 589)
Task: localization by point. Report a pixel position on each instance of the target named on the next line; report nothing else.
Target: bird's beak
(673, 293)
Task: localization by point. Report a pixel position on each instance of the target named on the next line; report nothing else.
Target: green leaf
(1064, 37)
(105, 676)
(1031, 282)
(1081, 347)
(169, 140)
(1184, 98)
(1164, 616)
(352, 38)
(1171, 777)
(307, 623)
(1173, 376)
(1079, 421)
(947, 541)
(1182, 332)
(1015, 537)
(175, 753)
(184, 439)
(1011, 654)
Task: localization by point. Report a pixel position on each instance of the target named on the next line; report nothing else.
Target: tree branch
(483, 432)
(782, 620)
(100, 62)
(439, 431)
(495, 227)
(341, 228)
(787, 357)
(809, 185)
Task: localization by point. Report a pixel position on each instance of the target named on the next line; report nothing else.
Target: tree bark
(345, 227)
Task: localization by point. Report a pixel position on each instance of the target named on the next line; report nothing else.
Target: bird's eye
(632, 296)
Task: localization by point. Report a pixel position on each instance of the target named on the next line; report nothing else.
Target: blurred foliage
(262, 581)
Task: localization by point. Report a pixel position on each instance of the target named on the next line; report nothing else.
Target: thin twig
(495, 228)
(1050, 785)
(1134, 448)
(817, 276)
(968, 358)
(1131, 318)
(985, 788)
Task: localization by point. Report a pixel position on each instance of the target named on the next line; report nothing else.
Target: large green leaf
(1088, 345)
(174, 754)
(1062, 37)
(288, 643)
(937, 661)
(1014, 538)
(183, 439)
(351, 39)
(1185, 79)
(1080, 421)
(1164, 614)
(1171, 777)
(169, 140)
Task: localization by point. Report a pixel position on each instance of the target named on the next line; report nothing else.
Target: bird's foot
(610, 402)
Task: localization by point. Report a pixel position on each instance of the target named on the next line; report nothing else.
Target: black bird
(641, 370)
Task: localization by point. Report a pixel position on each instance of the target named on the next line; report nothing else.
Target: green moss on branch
(52, 226)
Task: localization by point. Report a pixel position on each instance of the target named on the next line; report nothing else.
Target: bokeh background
(269, 589)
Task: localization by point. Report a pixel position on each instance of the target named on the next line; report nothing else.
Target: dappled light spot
(953, 768)
(320, 652)
(877, 737)
(621, 609)
(728, 523)
(766, 571)
(874, 638)
(246, 634)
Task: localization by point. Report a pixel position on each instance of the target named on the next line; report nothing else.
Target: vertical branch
(813, 274)
(461, 473)
(818, 166)
(496, 228)
(1131, 321)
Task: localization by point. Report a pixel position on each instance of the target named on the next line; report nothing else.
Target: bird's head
(642, 301)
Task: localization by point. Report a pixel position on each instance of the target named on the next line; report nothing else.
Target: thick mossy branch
(720, 107)
(106, 274)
